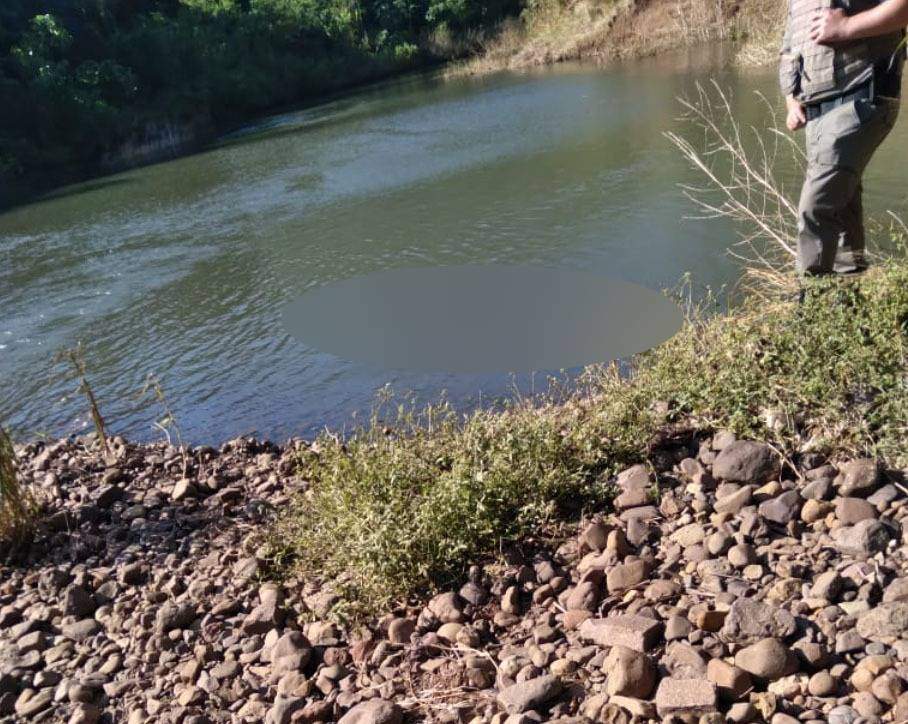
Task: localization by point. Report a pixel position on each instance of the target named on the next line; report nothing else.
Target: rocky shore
(727, 585)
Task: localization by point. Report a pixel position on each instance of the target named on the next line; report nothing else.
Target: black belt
(815, 110)
(884, 83)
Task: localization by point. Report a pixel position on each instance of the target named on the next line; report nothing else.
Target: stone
(173, 616)
(732, 683)
(732, 503)
(595, 535)
(766, 659)
(897, 590)
(291, 652)
(783, 508)
(81, 630)
(862, 539)
(400, 630)
(749, 621)
(630, 673)
(885, 622)
(281, 712)
(78, 602)
(685, 697)
(822, 684)
(626, 575)
(373, 711)
(683, 661)
(635, 632)
(183, 489)
(744, 461)
(529, 695)
(853, 510)
(85, 714)
(584, 597)
(827, 585)
(447, 607)
(688, 535)
(858, 477)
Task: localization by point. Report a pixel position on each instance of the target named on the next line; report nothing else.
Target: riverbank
(607, 30)
(721, 535)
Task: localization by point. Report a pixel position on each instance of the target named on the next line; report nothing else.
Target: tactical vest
(815, 72)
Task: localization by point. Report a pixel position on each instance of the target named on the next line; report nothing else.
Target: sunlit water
(182, 269)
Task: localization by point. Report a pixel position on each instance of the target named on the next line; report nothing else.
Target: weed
(17, 511)
(75, 356)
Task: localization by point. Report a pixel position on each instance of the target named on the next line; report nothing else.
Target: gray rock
(685, 696)
(374, 711)
(862, 539)
(783, 508)
(766, 659)
(749, 621)
(283, 709)
(744, 461)
(174, 615)
(886, 622)
(528, 695)
(81, 630)
(858, 477)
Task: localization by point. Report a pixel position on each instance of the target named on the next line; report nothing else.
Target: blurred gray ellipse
(482, 318)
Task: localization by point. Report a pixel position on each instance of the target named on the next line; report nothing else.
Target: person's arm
(829, 27)
(789, 80)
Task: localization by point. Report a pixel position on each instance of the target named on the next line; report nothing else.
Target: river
(181, 269)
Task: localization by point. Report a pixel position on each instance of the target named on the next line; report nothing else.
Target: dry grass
(17, 510)
(602, 30)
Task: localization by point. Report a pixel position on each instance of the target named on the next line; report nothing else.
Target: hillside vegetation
(78, 78)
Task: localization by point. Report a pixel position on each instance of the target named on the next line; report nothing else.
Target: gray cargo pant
(830, 216)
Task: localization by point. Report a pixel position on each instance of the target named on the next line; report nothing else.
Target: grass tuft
(17, 513)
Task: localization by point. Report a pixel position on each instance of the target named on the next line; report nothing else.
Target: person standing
(841, 80)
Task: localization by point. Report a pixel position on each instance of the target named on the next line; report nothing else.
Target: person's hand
(829, 26)
(796, 117)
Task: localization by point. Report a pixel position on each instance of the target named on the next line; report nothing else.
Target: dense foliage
(79, 77)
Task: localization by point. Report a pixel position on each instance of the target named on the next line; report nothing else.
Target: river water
(181, 269)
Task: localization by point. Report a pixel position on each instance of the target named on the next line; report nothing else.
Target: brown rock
(853, 510)
(749, 621)
(731, 681)
(527, 695)
(636, 632)
(766, 659)
(373, 711)
(744, 461)
(685, 696)
(626, 575)
(630, 673)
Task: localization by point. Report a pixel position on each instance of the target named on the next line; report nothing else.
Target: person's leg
(849, 258)
(839, 147)
(827, 190)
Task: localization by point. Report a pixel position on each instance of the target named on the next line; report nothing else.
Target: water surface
(182, 269)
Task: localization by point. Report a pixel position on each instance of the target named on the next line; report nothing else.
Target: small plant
(167, 424)
(75, 356)
(16, 508)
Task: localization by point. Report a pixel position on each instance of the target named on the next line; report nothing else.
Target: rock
(626, 575)
(749, 621)
(85, 714)
(766, 659)
(630, 673)
(173, 616)
(827, 585)
(783, 508)
(283, 709)
(183, 489)
(447, 607)
(528, 695)
(683, 661)
(744, 461)
(897, 590)
(730, 681)
(595, 535)
(400, 630)
(78, 602)
(885, 623)
(635, 632)
(291, 652)
(688, 535)
(733, 502)
(858, 477)
(862, 539)
(685, 697)
(853, 510)
(373, 711)
(81, 630)
(584, 597)
(822, 684)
